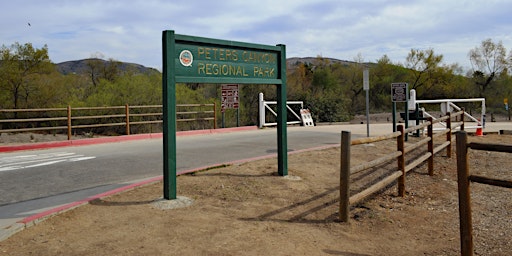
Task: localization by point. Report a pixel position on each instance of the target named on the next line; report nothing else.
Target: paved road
(35, 174)
(36, 180)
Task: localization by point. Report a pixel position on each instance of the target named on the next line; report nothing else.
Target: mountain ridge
(81, 66)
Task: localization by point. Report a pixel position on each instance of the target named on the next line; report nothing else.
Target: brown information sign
(229, 97)
(399, 92)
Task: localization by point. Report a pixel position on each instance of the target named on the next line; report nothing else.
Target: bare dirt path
(247, 210)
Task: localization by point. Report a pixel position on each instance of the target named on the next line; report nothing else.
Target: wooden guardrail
(70, 118)
(400, 155)
(464, 178)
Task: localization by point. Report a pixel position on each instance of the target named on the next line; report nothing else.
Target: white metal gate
(448, 105)
(265, 105)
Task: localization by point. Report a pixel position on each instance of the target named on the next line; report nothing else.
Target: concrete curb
(39, 217)
(42, 216)
(91, 141)
(36, 218)
(11, 230)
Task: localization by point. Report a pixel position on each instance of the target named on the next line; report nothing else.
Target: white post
(483, 113)
(261, 106)
(412, 99)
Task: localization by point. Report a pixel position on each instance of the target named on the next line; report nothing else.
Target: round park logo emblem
(186, 58)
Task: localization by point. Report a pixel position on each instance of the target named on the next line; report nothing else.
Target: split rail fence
(464, 178)
(72, 118)
(346, 171)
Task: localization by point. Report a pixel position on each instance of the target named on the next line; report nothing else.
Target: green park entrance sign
(208, 62)
(190, 59)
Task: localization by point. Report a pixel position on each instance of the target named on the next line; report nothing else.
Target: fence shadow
(343, 253)
(239, 175)
(304, 209)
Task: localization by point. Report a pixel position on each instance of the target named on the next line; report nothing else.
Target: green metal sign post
(190, 59)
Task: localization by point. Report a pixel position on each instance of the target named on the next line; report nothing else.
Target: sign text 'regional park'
(204, 61)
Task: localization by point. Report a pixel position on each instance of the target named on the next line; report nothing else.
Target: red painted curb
(83, 142)
(70, 206)
(66, 207)
(45, 214)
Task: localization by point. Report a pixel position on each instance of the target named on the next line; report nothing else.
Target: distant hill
(295, 60)
(80, 67)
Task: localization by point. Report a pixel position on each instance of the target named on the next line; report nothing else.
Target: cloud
(131, 30)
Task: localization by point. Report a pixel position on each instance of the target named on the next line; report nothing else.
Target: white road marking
(30, 161)
(76, 159)
(44, 163)
(10, 168)
(35, 160)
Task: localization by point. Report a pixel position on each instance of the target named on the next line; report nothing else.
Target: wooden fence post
(449, 135)
(401, 160)
(344, 176)
(430, 133)
(69, 122)
(466, 233)
(127, 111)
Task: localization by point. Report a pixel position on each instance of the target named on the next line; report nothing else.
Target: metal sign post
(190, 59)
(366, 87)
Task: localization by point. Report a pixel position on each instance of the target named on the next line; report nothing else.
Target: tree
(382, 75)
(323, 78)
(101, 69)
(299, 79)
(20, 65)
(488, 61)
(132, 89)
(351, 76)
(425, 66)
(49, 90)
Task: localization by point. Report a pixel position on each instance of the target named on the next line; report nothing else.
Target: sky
(131, 31)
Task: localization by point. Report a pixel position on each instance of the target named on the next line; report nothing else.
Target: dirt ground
(247, 209)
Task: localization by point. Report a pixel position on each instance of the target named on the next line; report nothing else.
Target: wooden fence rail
(400, 155)
(47, 119)
(464, 178)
